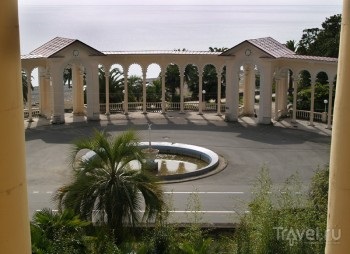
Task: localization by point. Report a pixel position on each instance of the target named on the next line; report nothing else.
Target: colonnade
(52, 95)
(329, 109)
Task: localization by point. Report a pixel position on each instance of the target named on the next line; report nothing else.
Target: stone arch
(116, 83)
(304, 90)
(172, 82)
(210, 82)
(153, 83)
(322, 77)
(321, 92)
(249, 89)
(283, 91)
(191, 80)
(135, 88)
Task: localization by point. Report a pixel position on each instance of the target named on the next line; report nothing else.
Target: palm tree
(105, 186)
(292, 45)
(53, 232)
(135, 88)
(116, 85)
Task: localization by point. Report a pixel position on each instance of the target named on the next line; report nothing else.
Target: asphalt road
(223, 197)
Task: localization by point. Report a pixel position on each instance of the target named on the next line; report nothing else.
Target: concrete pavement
(283, 147)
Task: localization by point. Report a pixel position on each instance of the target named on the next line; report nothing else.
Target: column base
(107, 113)
(230, 118)
(78, 114)
(57, 119)
(265, 120)
(145, 113)
(95, 117)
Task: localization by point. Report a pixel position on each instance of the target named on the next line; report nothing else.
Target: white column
(312, 106)
(330, 105)
(200, 93)
(126, 94)
(295, 92)
(219, 92)
(44, 93)
(57, 95)
(338, 218)
(284, 93)
(75, 88)
(249, 90)
(14, 219)
(277, 99)
(232, 93)
(107, 91)
(80, 97)
(163, 91)
(92, 88)
(29, 96)
(144, 93)
(182, 72)
(265, 103)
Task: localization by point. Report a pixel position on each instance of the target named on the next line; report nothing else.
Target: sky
(180, 2)
(39, 27)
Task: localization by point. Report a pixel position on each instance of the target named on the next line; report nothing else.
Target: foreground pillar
(14, 223)
(338, 224)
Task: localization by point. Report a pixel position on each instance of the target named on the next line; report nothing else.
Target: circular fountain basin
(209, 158)
(178, 167)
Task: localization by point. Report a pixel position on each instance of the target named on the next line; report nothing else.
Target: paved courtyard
(282, 147)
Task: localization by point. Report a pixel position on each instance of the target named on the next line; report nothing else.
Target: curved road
(247, 147)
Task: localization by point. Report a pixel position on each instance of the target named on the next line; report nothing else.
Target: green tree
(321, 41)
(172, 82)
(154, 91)
(105, 186)
(192, 80)
(135, 86)
(116, 85)
(67, 77)
(210, 82)
(215, 49)
(61, 232)
(292, 45)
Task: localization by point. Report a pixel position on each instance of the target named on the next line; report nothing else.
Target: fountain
(150, 154)
(176, 161)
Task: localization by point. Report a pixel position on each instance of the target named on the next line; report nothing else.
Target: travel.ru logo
(293, 235)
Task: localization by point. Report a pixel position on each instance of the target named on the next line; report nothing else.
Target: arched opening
(249, 90)
(321, 92)
(135, 87)
(303, 92)
(191, 82)
(115, 93)
(282, 93)
(153, 87)
(172, 85)
(74, 89)
(210, 87)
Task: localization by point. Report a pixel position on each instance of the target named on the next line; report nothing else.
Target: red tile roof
(52, 47)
